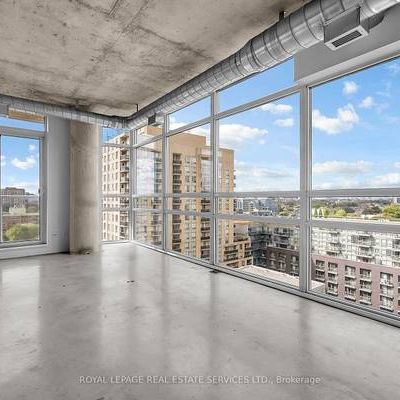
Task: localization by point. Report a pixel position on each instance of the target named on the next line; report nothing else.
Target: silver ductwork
(300, 30)
(62, 112)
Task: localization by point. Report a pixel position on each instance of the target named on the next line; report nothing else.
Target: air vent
(347, 38)
(345, 29)
(156, 119)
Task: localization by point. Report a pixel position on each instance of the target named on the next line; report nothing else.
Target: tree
(392, 211)
(373, 210)
(22, 232)
(340, 213)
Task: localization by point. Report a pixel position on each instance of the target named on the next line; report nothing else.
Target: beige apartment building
(115, 181)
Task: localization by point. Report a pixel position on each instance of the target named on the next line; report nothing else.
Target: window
(194, 112)
(259, 149)
(189, 235)
(261, 249)
(258, 85)
(149, 168)
(20, 195)
(240, 187)
(190, 161)
(148, 228)
(23, 120)
(148, 189)
(355, 130)
(354, 142)
(260, 206)
(357, 209)
(116, 184)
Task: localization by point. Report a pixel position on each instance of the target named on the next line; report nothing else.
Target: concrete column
(85, 188)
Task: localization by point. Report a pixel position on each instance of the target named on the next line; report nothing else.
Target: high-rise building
(115, 181)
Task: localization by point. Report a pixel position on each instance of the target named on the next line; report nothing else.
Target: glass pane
(22, 120)
(259, 85)
(115, 136)
(150, 202)
(260, 206)
(190, 161)
(148, 132)
(20, 216)
(189, 204)
(261, 249)
(20, 165)
(260, 149)
(357, 209)
(189, 235)
(115, 225)
(355, 130)
(149, 168)
(20, 173)
(199, 110)
(357, 266)
(148, 228)
(116, 202)
(115, 170)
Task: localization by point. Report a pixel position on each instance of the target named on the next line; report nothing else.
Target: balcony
(365, 300)
(366, 277)
(386, 307)
(366, 254)
(387, 295)
(332, 292)
(320, 267)
(386, 282)
(366, 289)
(349, 296)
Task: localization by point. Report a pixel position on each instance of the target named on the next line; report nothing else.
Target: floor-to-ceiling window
(355, 198)
(22, 179)
(116, 184)
(295, 184)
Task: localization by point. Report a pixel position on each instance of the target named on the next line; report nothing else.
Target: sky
(20, 157)
(355, 141)
(355, 130)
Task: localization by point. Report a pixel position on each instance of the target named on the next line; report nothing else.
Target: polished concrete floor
(130, 311)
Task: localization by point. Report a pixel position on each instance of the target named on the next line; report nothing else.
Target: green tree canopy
(22, 232)
(392, 211)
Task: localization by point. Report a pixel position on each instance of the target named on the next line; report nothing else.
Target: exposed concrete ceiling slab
(107, 56)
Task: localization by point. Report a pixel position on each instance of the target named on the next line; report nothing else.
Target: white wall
(57, 155)
(319, 62)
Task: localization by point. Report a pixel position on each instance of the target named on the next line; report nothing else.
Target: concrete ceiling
(107, 56)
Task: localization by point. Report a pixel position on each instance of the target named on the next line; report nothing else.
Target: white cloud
(342, 167)
(29, 162)
(277, 108)
(32, 147)
(346, 117)
(3, 160)
(397, 164)
(234, 135)
(394, 69)
(174, 124)
(262, 141)
(350, 87)
(258, 177)
(344, 183)
(284, 123)
(367, 103)
(391, 179)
